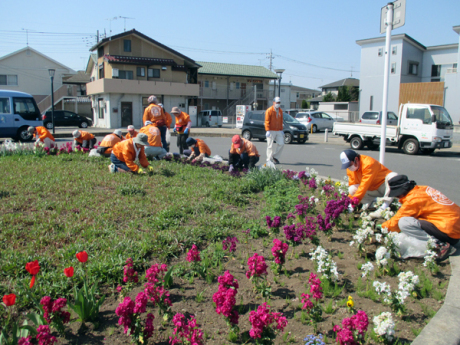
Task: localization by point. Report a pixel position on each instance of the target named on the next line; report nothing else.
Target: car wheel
(410, 146)
(356, 143)
(262, 139)
(247, 135)
(49, 125)
(84, 124)
(23, 134)
(315, 129)
(287, 138)
(302, 141)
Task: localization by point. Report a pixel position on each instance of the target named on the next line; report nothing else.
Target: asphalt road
(438, 170)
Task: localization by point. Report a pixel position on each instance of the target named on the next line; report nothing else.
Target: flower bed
(277, 280)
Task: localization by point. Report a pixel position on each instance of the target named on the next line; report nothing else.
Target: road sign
(399, 15)
(225, 120)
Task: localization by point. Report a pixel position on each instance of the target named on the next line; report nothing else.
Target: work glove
(186, 131)
(350, 208)
(150, 168)
(231, 168)
(267, 134)
(141, 171)
(175, 129)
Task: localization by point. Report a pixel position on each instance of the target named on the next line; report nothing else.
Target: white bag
(93, 153)
(168, 136)
(410, 247)
(268, 164)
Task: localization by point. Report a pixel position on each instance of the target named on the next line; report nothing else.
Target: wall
(452, 92)
(410, 53)
(444, 57)
(428, 93)
(32, 71)
(220, 91)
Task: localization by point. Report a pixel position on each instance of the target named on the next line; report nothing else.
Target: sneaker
(276, 160)
(445, 251)
(112, 168)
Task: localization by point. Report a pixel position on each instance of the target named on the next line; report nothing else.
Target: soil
(285, 297)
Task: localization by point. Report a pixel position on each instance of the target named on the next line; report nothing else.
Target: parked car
(211, 118)
(316, 120)
(375, 117)
(18, 111)
(294, 112)
(254, 127)
(65, 118)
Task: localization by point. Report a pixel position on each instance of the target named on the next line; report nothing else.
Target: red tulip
(68, 272)
(9, 300)
(33, 267)
(82, 256)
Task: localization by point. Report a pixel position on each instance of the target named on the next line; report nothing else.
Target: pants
(163, 130)
(118, 163)
(101, 150)
(242, 161)
(277, 136)
(89, 144)
(188, 152)
(48, 142)
(371, 194)
(154, 151)
(181, 139)
(420, 229)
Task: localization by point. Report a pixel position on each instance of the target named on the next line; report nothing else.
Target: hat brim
(396, 192)
(345, 165)
(139, 142)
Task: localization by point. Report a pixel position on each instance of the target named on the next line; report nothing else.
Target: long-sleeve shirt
(273, 119)
(246, 146)
(43, 133)
(126, 153)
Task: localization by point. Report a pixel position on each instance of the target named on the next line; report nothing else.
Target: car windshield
(441, 115)
(289, 119)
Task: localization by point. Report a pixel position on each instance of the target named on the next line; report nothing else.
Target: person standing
(182, 128)
(127, 152)
(168, 119)
(274, 131)
(41, 134)
(154, 149)
(242, 154)
(199, 149)
(132, 133)
(154, 114)
(84, 139)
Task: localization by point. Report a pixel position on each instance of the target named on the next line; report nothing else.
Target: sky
(314, 41)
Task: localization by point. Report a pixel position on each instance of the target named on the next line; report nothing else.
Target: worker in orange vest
(274, 131)
(155, 114)
(131, 132)
(109, 141)
(41, 134)
(127, 152)
(182, 128)
(168, 119)
(242, 154)
(84, 139)
(425, 212)
(154, 149)
(198, 150)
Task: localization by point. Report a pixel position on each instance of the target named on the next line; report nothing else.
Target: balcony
(141, 87)
(221, 93)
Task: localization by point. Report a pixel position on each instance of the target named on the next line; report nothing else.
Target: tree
(354, 93)
(343, 94)
(329, 98)
(305, 104)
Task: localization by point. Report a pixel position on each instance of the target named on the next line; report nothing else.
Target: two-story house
(129, 67)
(418, 74)
(224, 85)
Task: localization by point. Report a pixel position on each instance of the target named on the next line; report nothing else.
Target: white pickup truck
(421, 127)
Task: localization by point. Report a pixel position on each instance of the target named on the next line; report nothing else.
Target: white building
(292, 95)
(410, 63)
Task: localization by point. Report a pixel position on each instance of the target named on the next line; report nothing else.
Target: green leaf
(168, 280)
(37, 319)
(3, 338)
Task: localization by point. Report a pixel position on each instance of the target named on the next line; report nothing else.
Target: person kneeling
(242, 154)
(198, 150)
(109, 142)
(41, 134)
(424, 212)
(125, 153)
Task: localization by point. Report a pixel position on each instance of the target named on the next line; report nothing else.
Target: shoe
(445, 251)
(376, 214)
(276, 161)
(112, 168)
(372, 206)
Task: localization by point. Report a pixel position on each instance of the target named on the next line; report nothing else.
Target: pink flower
(307, 303)
(262, 318)
(193, 254)
(225, 299)
(185, 331)
(129, 274)
(156, 273)
(257, 266)
(279, 251)
(148, 330)
(44, 336)
(141, 303)
(25, 341)
(125, 311)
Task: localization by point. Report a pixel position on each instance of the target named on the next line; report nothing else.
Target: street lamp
(51, 72)
(279, 72)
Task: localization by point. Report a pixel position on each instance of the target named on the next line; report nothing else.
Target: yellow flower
(338, 184)
(350, 303)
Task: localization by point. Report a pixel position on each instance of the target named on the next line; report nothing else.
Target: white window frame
(393, 68)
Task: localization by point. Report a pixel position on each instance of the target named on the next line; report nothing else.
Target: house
(418, 74)
(129, 67)
(26, 70)
(292, 95)
(224, 85)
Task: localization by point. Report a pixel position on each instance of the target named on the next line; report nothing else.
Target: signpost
(392, 16)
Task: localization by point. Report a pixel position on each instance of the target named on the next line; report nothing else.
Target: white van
(211, 118)
(18, 111)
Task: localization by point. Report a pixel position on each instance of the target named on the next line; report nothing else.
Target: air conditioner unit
(115, 73)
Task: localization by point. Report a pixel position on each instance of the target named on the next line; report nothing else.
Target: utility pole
(271, 57)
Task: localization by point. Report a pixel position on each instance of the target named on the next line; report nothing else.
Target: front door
(126, 114)
(243, 89)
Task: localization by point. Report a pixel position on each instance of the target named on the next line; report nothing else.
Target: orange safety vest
(153, 134)
(246, 146)
(273, 119)
(426, 203)
(84, 136)
(43, 133)
(154, 114)
(128, 136)
(182, 121)
(126, 153)
(109, 141)
(203, 147)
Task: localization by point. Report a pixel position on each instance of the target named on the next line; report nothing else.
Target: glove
(140, 171)
(267, 134)
(150, 168)
(186, 131)
(175, 129)
(231, 168)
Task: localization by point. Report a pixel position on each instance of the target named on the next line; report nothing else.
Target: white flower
(324, 263)
(378, 238)
(384, 326)
(382, 256)
(352, 243)
(367, 268)
(383, 289)
(384, 231)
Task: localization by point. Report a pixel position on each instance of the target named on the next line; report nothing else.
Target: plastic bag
(93, 153)
(410, 247)
(268, 164)
(168, 136)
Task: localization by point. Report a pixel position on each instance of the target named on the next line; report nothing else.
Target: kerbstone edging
(444, 327)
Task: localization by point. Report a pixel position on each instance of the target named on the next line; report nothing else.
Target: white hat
(277, 100)
(117, 132)
(76, 134)
(130, 128)
(152, 99)
(147, 123)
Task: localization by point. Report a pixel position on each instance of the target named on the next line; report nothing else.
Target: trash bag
(168, 136)
(268, 164)
(94, 153)
(410, 247)
(217, 158)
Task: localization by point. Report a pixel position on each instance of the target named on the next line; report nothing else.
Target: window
(237, 85)
(100, 52)
(393, 50)
(5, 106)
(141, 71)
(125, 75)
(392, 116)
(206, 83)
(326, 116)
(101, 71)
(393, 67)
(101, 108)
(127, 45)
(8, 79)
(26, 108)
(297, 94)
(368, 115)
(435, 73)
(153, 73)
(413, 68)
(380, 51)
(371, 102)
(422, 114)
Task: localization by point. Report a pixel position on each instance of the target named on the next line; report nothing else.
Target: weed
(331, 290)
(415, 331)
(288, 338)
(427, 310)
(232, 336)
(200, 296)
(328, 309)
(438, 295)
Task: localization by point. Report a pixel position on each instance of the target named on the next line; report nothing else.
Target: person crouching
(42, 135)
(126, 152)
(242, 154)
(198, 150)
(109, 142)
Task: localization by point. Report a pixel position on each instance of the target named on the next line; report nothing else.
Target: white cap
(76, 134)
(130, 128)
(117, 132)
(277, 100)
(152, 99)
(147, 123)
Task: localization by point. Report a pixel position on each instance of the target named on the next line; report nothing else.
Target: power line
(312, 65)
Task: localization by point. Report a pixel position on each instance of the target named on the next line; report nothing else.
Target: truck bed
(347, 129)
